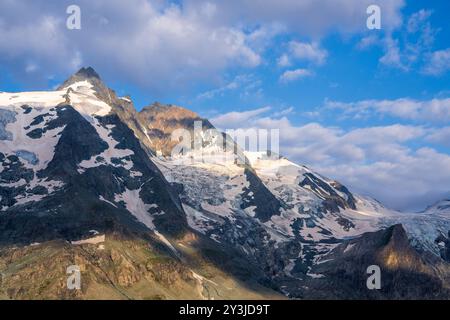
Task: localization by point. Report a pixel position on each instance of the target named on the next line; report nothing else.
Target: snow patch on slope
(112, 152)
(136, 206)
(82, 97)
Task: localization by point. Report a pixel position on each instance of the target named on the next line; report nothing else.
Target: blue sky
(370, 108)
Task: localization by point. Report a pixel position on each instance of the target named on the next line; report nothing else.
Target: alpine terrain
(88, 181)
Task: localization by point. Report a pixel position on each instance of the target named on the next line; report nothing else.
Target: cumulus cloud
(308, 51)
(152, 44)
(440, 136)
(438, 63)
(302, 51)
(236, 118)
(377, 161)
(36, 43)
(284, 61)
(292, 75)
(367, 42)
(310, 18)
(167, 45)
(393, 57)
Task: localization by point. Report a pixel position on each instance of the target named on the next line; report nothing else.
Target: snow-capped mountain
(66, 149)
(80, 160)
(310, 216)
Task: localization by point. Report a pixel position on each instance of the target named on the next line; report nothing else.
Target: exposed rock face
(121, 106)
(89, 74)
(258, 196)
(160, 121)
(444, 246)
(332, 201)
(405, 274)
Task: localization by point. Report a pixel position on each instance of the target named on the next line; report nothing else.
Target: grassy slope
(119, 269)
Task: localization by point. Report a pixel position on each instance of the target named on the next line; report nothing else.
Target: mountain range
(87, 180)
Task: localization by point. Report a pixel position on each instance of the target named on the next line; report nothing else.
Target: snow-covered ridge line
(81, 96)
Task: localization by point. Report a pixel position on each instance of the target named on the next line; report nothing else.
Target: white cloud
(40, 40)
(284, 112)
(438, 63)
(245, 82)
(410, 47)
(31, 67)
(310, 18)
(303, 51)
(153, 44)
(292, 75)
(166, 45)
(368, 41)
(308, 51)
(237, 119)
(435, 110)
(284, 61)
(392, 134)
(392, 56)
(416, 20)
(440, 136)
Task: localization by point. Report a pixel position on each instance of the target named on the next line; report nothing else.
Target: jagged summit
(88, 82)
(169, 110)
(85, 74)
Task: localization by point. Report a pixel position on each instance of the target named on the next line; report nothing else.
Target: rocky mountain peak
(160, 120)
(84, 74)
(90, 83)
(87, 73)
(168, 111)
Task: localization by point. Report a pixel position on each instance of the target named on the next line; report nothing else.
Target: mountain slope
(118, 267)
(71, 166)
(80, 161)
(74, 156)
(315, 214)
(405, 274)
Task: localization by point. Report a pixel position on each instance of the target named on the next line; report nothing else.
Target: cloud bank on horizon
(370, 108)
